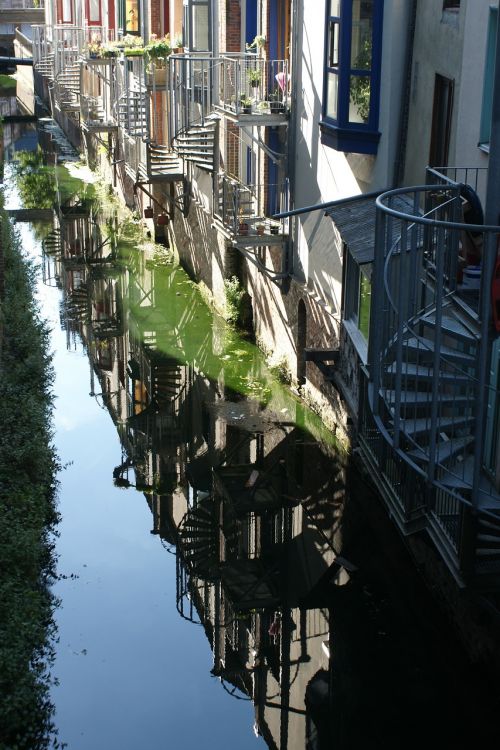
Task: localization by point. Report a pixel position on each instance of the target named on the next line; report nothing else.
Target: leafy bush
(234, 294)
(28, 467)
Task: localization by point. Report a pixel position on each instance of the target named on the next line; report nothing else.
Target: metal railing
(68, 44)
(191, 85)
(23, 4)
(42, 43)
(430, 393)
(252, 84)
(238, 205)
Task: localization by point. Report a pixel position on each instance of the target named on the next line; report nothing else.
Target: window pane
(365, 295)
(335, 8)
(66, 11)
(95, 11)
(332, 95)
(200, 28)
(361, 39)
(359, 99)
(333, 53)
(132, 15)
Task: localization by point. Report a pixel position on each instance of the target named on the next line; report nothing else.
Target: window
(93, 12)
(353, 47)
(357, 294)
(489, 69)
(64, 11)
(129, 16)
(441, 121)
(197, 25)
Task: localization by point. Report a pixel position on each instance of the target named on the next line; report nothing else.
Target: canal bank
(28, 508)
(309, 611)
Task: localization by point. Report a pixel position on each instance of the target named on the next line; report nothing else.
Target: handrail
(494, 228)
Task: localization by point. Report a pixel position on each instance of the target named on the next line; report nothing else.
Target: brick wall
(155, 17)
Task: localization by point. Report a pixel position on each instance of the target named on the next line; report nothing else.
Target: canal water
(226, 576)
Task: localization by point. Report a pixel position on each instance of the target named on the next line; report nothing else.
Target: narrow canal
(226, 577)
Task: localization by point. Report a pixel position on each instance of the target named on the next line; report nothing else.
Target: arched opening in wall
(301, 342)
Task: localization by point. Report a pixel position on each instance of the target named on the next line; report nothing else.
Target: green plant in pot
(158, 50)
(254, 77)
(245, 103)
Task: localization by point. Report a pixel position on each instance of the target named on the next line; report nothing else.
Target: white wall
(324, 174)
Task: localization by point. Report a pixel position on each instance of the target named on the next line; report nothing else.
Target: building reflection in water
(268, 545)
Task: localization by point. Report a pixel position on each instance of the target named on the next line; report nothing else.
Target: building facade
(260, 138)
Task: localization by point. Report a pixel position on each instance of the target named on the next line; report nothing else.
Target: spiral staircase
(196, 143)
(45, 66)
(67, 87)
(421, 426)
(131, 112)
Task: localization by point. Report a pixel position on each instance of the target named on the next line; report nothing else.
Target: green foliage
(360, 86)
(254, 76)
(158, 50)
(28, 467)
(281, 371)
(234, 294)
(35, 181)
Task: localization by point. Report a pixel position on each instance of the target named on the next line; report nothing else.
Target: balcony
(429, 423)
(22, 11)
(242, 212)
(253, 90)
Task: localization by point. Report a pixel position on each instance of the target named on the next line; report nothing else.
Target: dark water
(227, 578)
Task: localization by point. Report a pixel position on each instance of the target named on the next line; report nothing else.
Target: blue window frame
(351, 87)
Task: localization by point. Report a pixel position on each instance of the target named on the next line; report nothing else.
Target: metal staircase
(52, 244)
(67, 84)
(196, 143)
(163, 164)
(199, 538)
(131, 112)
(424, 427)
(45, 66)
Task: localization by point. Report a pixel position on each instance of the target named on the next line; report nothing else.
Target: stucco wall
(437, 49)
(324, 174)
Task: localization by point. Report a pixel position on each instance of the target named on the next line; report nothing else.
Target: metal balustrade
(253, 84)
(43, 49)
(239, 204)
(429, 386)
(23, 4)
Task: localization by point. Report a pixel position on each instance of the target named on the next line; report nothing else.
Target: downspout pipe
(402, 140)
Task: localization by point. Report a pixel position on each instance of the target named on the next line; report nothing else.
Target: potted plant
(260, 229)
(149, 212)
(157, 52)
(258, 43)
(254, 77)
(109, 51)
(246, 104)
(275, 104)
(133, 46)
(162, 220)
(94, 49)
(178, 44)
(243, 226)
